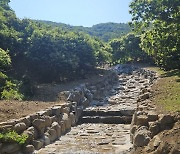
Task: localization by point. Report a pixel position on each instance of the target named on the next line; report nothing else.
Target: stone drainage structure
(100, 115)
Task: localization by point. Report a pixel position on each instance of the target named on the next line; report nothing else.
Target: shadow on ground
(50, 92)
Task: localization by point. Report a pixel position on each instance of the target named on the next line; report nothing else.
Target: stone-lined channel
(105, 125)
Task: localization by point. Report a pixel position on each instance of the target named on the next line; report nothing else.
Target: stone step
(123, 112)
(107, 119)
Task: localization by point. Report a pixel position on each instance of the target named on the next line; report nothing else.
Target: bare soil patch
(17, 109)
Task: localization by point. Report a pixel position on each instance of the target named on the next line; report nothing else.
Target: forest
(45, 52)
(103, 31)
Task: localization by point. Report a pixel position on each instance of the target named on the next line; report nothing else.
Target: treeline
(32, 51)
(103, 31)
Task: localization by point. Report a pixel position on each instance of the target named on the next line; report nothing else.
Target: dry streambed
(104, 126)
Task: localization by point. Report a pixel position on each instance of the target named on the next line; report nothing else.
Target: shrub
(5, 60)
(11, 91)
(12, 136)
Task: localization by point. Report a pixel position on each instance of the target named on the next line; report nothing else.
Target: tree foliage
(158, 22)
(102, 31)
(127, 49)
(43, 53)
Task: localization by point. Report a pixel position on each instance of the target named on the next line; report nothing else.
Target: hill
(103, 31)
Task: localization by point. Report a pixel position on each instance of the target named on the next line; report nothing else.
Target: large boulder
(67, 121)
(154, 127)
(166, 121)
(39, 124)
(52, 134)
(142, 137)
(10, 148)
(57, 127)
(33, 131)
(20, 127)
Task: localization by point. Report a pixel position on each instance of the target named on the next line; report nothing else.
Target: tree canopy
(158, 22)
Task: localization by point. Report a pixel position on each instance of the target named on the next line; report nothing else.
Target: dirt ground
(17, 109)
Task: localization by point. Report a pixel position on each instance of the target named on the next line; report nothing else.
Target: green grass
(167, 90)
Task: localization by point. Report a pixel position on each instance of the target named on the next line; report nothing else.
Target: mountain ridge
(103, 31)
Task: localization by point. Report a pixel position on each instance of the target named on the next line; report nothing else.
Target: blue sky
(74, 12)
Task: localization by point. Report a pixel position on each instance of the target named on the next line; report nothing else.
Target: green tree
(158, 22)
(127, 48)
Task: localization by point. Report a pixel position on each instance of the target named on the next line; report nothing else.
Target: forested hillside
(103, 31)
(34, 52)
(45, 52)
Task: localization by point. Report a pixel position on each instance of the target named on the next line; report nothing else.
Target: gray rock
(11, 148)
(29, 149)
(85, 102)
(63, 127)
(57, 127)
(142, 137)
(152, 116)
(46, 140)
(39, 124)
(166, 121)
(52, 134)
(26, 120)
(89, 95)
(20, 127)
(33, 131)
(73, 119)
(66, 110)
(30, 136)
(144, 96)
(154, 127)
(38, 144)
(74, 96)
(142, 120)
(67, 121)
(48, 121)
(56, 110)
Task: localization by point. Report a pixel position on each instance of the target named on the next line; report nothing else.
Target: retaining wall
(46, 126)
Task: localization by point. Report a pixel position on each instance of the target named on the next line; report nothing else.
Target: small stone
(142, 120)
(73, 119)
(152, 116)
(29, 149)
(46, 140)
(157, 141)
(66, 110)
(154, 127)
(38, 144)
(67, 121)
(56, 110)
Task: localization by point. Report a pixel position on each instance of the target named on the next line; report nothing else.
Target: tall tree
(158, 22)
